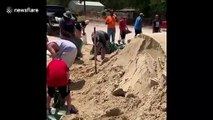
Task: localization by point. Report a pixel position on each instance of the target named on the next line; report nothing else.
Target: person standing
(67, 26)
(156, 24)
(123, 29)
(138, 24)
(111, 23)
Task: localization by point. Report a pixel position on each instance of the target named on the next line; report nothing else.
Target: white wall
(80, 8)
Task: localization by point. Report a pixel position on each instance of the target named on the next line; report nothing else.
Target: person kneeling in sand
(57, 76)
(63, 49)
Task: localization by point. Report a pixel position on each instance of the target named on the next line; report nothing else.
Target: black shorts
(63, 90)
(156, 29)
(138, 32)
(123, 35)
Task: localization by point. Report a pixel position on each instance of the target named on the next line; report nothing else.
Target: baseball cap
(141, 14)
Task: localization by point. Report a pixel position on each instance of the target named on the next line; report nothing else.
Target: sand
(130, 83)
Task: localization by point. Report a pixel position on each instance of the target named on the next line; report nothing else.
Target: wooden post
(95, 50)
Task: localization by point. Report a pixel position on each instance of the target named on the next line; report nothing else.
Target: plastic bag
(84, 39)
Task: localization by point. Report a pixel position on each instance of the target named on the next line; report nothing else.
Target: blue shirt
(138, 23)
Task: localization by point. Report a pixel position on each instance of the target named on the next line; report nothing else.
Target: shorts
(156, 29)
(138, 32)
(63, 90)
(123, 35)
(69, 57)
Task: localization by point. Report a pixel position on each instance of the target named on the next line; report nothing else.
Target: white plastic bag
(48, 53)
(84, 39)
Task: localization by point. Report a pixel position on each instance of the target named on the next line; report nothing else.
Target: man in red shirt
(58, 76)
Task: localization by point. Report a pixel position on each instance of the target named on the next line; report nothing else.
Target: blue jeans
(111, 32)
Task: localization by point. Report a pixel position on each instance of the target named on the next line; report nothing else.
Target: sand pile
(131, 85)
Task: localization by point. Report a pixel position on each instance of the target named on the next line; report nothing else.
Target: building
(129, 13)
(91, 6)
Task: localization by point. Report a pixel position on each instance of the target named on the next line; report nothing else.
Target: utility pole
(80, 1)
(85, 7)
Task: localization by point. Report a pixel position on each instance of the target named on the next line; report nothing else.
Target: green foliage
(158, 6)
(103, 13)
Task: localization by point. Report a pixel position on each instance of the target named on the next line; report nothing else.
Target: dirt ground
(130, 83)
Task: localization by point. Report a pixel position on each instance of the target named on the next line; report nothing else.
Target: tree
(158, 7)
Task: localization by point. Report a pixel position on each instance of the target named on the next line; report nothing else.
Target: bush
(103, 14)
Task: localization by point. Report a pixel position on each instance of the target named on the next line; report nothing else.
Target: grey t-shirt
(64, 46)
(101, 36)
(69, 26)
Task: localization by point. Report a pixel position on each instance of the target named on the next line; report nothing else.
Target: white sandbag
(84, 39)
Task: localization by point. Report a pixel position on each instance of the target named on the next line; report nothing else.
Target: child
(123, 30)
(57, 76)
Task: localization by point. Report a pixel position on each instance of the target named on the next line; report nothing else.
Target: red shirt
(122, 25)
(111, 20)
(57, 73)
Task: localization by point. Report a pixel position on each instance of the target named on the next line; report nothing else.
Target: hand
(108, 22)
(49, 55)
(52, 57)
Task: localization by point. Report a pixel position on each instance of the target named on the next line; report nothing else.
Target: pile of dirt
(130, 84)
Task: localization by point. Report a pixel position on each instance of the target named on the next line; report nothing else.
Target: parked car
(56, 11)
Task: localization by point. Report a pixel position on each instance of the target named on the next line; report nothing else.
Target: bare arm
(83, 31)
(51, 50)
(107, 20)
